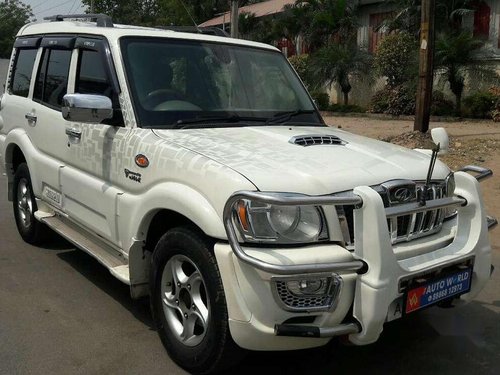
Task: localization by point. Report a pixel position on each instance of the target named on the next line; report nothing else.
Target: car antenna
(190, 16)
(426, 187)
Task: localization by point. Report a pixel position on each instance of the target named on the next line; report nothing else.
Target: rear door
(43, 114)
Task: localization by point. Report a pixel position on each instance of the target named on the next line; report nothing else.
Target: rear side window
(52, 80)
(23, 68)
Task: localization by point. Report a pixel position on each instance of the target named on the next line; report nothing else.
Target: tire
(192, 318)
(24, 205)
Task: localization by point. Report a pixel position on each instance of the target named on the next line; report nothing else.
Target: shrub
(379, 102)
(322, 100)
(396, 101)
(495, 113)
(336, 107)
(397, 58)
(441, 106)
(301, 63)
(479, 105)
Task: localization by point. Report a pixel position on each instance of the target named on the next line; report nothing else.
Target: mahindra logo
(402, 195)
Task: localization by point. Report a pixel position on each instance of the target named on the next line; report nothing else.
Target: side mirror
(440, 136)
(87, 108)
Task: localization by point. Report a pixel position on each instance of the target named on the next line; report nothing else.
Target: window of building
(374, 34)
(22, 72)
(52, 81)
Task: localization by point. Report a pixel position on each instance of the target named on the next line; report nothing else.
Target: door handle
(74, 135)
(30, 116)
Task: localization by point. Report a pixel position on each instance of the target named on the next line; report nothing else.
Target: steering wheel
(156, 97)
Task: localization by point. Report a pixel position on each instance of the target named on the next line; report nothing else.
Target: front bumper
(371, 274)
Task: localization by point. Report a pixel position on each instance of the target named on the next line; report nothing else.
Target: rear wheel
(188, 303)
(24, 205)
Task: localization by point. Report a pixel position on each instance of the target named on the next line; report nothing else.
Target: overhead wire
(42, 11)
(72, 6)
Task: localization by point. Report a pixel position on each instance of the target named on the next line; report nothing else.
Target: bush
(441, 106)
(336, 107)
(322, 100)
(379, 102)
(396, 101)
(301, 63)
(495, 113)
(397, 58)
(479, 105)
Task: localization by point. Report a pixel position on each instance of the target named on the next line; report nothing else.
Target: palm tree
(339, 63)
(454, 56)
(320, 20)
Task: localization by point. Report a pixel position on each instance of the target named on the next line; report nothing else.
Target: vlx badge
(134, 176)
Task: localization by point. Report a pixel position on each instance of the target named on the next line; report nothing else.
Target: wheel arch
(181, 206)
(14, 156)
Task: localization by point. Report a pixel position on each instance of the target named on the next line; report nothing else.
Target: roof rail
(102, 20)
(196, 30)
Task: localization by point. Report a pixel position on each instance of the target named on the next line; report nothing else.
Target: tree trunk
(346, 87)
(458, 103)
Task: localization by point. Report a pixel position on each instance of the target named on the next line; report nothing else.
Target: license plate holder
(429, 292)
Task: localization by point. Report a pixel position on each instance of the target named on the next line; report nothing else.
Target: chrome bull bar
(358, 265)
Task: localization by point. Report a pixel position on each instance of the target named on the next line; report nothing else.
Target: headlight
(267, 223)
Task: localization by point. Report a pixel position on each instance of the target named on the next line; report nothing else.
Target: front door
(90, 197)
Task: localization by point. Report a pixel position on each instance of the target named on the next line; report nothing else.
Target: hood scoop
(316, 140)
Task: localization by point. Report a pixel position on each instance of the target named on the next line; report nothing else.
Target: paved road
(63, 313)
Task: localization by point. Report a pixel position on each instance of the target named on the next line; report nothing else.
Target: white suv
(197, 169)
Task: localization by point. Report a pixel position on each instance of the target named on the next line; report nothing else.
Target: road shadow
(99, 275)
(462, 340)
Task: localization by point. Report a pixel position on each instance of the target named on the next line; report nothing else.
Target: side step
(110, 258)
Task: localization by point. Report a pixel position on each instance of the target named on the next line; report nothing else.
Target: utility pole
(234, 18)
(92, 7)
(425, 68)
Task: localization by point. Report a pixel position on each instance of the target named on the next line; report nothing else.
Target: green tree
(161, 12)
(318, 21)
(455, 57)
(339, 63)
(13, 15)
(397, 58)
(135, 12)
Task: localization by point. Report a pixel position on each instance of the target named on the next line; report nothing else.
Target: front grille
(410, 227)
(402, 228)
(311, 140)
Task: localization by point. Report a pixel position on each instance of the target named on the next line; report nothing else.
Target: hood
(265, 156)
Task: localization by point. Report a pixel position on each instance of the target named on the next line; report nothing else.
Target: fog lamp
(307, 292)
(308, 286)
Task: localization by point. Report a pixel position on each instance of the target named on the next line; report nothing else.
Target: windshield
(179, 82)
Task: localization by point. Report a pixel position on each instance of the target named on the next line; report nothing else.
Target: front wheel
(24, 204)
(188, 303)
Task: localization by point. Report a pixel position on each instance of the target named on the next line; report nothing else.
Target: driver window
(92, 78)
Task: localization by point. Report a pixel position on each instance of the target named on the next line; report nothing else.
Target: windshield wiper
(215, 120)
(285, 116)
